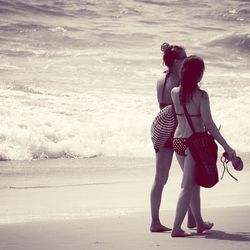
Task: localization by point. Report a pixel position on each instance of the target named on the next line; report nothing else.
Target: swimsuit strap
(188, 117)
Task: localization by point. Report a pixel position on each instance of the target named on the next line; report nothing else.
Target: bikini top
(164, 104)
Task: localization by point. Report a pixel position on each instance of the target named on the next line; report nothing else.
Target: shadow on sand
(221, 235)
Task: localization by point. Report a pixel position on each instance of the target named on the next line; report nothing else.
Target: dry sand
(231, 232)
(104, 204)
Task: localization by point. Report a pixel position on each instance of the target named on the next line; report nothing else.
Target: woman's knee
(161, 180)
(187, 185)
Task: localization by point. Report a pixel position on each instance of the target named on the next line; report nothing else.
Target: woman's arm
(211, 127)
(159, 90)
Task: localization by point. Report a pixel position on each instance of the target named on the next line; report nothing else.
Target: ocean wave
(74, 148)
(40, 126)
(35, 125)
(29, 27)
(7, 8)
(154, 2)
(240, 42)
(173, 3)
(238, 13)
(32, 8)
(17, 53)
(51, 140)
(245, 11)
(22, 27)
(27, 89)
(52, 8)
(38, 39)
(32, 89)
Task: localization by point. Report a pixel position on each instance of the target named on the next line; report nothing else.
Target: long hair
(191, 74)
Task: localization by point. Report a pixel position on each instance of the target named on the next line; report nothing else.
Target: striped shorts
(163, 128)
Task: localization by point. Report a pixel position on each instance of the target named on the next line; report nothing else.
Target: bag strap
(188, 117)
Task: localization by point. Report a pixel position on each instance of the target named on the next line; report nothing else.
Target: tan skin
(164, 155)
(190, 192)
(163, 163)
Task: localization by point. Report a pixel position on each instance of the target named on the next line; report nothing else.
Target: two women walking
(180, 87)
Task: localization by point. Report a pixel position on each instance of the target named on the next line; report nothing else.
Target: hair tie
(165, 46)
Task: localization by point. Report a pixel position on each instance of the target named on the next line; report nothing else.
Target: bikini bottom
(180, 145)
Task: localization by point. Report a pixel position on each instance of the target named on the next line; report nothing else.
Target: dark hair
(191, 74)
(171, 53)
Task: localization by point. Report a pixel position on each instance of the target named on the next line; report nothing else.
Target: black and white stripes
(163, 127)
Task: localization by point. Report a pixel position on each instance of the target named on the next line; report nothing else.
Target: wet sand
(103, 203)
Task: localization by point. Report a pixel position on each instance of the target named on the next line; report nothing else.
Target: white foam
(36, 123)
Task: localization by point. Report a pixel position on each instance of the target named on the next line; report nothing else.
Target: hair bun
(165, 46)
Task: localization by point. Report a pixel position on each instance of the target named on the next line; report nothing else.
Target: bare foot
(205, 226)
(191, 225)
(159, 228)
(180, 233)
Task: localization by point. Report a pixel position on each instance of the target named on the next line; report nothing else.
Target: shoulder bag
(204, 150)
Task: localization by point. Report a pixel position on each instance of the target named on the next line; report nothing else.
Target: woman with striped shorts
(163, 127)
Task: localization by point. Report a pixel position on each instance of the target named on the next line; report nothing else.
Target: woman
(197, 104)
(163, 129)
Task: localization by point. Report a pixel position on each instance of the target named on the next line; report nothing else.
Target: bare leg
(196, 205)
(190, 195)
(196, 208)
(191, 223)
(185, 196)
(163, 163)
(191, 220)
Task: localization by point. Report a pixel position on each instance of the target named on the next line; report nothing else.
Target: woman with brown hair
(163, 128)
(198, 107)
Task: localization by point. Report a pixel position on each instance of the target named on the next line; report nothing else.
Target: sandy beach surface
(103, 203)
(231, 231)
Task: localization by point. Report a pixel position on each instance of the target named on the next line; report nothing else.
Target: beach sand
(231, 231)
(103, 203)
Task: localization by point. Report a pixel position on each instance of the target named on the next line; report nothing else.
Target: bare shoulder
(159, 87)
(160, 81)
(175, 91)
(202, 95)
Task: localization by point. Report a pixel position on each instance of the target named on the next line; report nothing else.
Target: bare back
(164, 93)
(183, 129)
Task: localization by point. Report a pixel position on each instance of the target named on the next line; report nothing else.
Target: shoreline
(99, 187)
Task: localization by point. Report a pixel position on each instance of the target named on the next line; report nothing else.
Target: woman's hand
(231, 153)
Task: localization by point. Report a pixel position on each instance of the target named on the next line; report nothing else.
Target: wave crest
(241, 42)
(51, 9)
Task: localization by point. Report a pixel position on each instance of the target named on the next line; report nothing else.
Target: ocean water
(77, 78)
